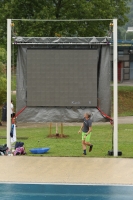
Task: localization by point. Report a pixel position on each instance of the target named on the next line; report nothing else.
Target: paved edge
(67, 170)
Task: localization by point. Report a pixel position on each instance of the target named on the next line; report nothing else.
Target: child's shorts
(86, 138)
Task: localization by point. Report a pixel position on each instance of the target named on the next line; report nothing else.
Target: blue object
(10, 191)
(39, 150)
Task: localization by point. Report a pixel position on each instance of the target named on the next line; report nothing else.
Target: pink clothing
(19, 151)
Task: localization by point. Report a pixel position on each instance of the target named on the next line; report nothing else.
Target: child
(86, 129)
(13, 129)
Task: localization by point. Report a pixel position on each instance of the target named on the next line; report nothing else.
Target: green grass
(125, 100)
(125, 88)
(71, 146)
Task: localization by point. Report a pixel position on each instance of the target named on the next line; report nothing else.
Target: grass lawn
(125, 100)
(71, 146)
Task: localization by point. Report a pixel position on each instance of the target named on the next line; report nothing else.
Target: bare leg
(84, 147)
(90, 145)
(83, 144)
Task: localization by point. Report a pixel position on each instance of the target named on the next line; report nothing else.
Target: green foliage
(2, 89)
(123, 29)
(2, 69)
(129, 36)
(13, 83)
(2, 75)
(2, 56)
(130, 15)
(60, 9)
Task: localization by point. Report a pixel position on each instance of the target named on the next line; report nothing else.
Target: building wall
(125, 63)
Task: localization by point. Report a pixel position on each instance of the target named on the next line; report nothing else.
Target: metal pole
(8, 82)
(125, 36)
(61, 20)
(89, 43)
(115, 77)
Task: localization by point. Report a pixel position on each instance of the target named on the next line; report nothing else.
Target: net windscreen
(62, 77)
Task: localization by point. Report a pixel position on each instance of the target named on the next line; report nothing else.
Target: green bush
(2, 83)
(2, 90)
(3, 55)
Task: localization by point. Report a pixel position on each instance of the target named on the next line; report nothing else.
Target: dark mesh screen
(62, 77)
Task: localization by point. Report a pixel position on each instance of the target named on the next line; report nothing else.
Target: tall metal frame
(115, 75)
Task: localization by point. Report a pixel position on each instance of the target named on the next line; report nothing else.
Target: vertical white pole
(126, 36)
(115, 77)
(8, 82)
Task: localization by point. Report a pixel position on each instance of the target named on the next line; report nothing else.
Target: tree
(2, 89)
(123, 29)
(2, 75)
(129, 36)
(2, 55)
(61, 9)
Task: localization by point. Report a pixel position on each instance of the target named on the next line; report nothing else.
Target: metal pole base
(111, 153)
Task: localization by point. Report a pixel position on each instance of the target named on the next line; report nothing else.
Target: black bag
(19, 144)
(3, 148)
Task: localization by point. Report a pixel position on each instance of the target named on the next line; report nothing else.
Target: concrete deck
(66, 170)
